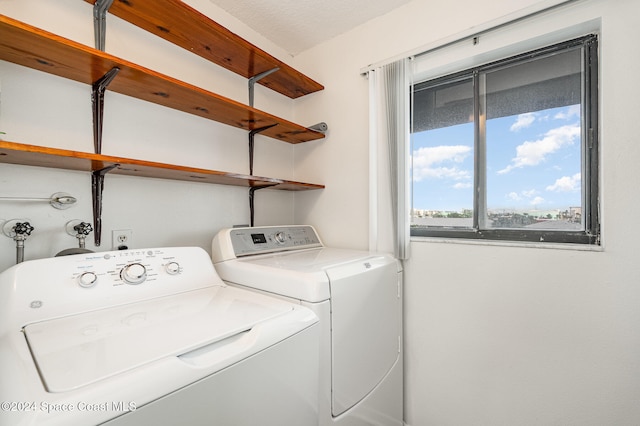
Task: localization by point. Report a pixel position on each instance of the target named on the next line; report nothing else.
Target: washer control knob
(280, 237)
(172, 268)
(134, 273)
(87, 279)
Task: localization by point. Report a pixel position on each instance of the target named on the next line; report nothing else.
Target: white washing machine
(357, 296)
(150, 337)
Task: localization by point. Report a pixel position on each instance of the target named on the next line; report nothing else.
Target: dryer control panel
(268, 239)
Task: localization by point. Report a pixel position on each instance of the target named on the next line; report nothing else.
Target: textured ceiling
(297, 25)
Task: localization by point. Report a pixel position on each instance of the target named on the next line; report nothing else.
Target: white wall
(41, 109)
(497, 335)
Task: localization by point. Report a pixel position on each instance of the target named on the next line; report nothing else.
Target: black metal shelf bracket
(100, 9)
(97, 186)
(253, 80)
(252, 135)
(252, 192)
(97, 101)
(253, 189)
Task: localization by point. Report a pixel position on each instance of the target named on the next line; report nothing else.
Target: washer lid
(77, 350)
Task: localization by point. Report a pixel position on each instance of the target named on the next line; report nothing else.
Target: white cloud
(523, 121)
(534, 153)
(523, 195)
(462, 185)
(566, 184)
(569, 113)
(536, 201)
(514, 196)
(435, 162)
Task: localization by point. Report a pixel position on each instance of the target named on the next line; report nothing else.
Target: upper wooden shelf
(184, 26)
(26, 45)
(32, 155)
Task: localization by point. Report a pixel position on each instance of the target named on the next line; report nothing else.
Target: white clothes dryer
(357, 296)
(150, 337)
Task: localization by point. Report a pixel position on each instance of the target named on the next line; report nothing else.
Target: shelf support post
(97, 186)
(252, 191)
(97, 101)
(254, 79)
(252, 135)
(100, 22)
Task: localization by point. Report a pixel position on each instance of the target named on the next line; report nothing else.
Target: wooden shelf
(184, 26)
(32, 155)
(26, 45)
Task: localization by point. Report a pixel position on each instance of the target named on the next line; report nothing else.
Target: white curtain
(390, 199)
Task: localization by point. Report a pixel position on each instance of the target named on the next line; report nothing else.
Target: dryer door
(366, 327)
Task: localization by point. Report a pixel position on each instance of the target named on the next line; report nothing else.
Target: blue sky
(533, 162)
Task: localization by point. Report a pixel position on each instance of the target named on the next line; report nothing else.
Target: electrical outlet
(121, 239)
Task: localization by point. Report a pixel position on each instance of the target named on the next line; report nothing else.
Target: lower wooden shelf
(32, 155)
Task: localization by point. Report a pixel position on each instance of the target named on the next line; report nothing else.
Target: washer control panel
(256, 240)
(57, 286)
(133, 267)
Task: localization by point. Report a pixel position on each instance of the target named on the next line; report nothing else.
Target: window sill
(519, 244)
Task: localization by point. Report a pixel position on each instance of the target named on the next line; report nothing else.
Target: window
(508, 150)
